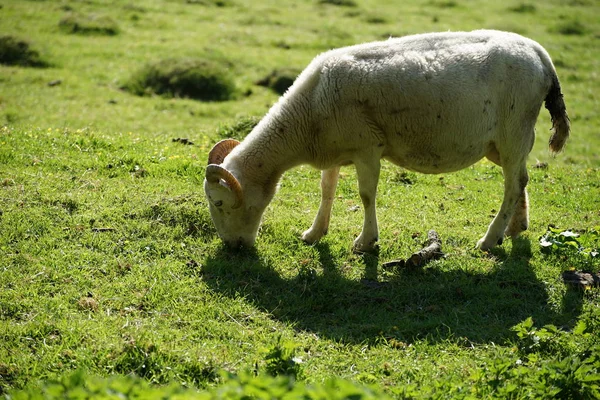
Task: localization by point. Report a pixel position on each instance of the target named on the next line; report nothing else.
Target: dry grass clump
(189, 78)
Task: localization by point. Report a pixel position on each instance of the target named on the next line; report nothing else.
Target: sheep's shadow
(431, 302)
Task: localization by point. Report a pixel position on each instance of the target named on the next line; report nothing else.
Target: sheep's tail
(561, 124)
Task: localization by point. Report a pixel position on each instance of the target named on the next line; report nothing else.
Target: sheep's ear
(220, 151)
(216, 173)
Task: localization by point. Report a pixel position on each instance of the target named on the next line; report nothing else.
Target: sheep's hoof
(312, 236)
(485, 244)
(371, 247)
(366, 250)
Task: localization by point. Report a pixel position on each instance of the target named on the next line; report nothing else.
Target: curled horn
(214, 174)
(220, 151)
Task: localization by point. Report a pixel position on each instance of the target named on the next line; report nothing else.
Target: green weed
(281, 359)
(576, 250)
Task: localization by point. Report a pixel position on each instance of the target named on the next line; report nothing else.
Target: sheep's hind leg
(368, 177)
(329, 180)
(520, 219)
(515, 181)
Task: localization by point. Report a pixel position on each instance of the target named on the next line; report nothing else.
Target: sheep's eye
(218, 203)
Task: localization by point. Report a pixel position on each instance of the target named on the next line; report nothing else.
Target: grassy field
(109, 263)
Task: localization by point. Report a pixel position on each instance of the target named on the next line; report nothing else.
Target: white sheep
(431, 103)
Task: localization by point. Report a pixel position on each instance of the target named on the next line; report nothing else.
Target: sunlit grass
(110, 262)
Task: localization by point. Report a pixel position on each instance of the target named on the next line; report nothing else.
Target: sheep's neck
(274, 146)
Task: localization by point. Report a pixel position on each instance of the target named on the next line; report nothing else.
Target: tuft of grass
(445, 4)
(572, 27)
(343, 3)
(375, 19)
(92, 24)
(279, 80)
(15, 51)
(524, 8)
(215, 3)
(197, 79)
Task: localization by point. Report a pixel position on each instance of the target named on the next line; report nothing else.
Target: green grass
(110, 264)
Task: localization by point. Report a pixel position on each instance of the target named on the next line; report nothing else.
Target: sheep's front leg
(368, 177)
(329, 180)
(515, 181)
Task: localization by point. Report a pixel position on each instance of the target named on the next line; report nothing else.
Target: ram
(431, 103)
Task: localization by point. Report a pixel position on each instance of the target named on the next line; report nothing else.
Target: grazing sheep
(431, 103)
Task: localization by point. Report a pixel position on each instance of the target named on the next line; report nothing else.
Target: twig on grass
(103, 229)
(432, 250)
(581, 279)
(184, 141)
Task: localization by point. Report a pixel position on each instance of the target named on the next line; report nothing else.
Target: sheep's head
(235, 210)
